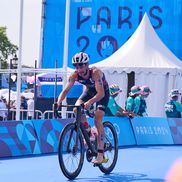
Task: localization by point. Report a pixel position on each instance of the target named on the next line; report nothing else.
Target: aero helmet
(80, 57)
(114, 89)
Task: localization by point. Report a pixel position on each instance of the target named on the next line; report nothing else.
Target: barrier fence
(29, 137)
(26, 114)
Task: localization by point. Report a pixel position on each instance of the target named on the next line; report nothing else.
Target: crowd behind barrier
(28, 137)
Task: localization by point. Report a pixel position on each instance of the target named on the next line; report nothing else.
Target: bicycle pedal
(97, 165)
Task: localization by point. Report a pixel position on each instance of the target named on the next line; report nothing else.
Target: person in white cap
(140, 103)
(130, 101)
(113, 108)
(173, 108)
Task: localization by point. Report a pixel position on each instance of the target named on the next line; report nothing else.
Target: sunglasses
(78, 64)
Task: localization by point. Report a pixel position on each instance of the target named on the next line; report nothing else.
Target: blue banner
(175, 125)
(123, 129)
(18, 138)
(150, 130)
(48, 132)
(49, 90)
(99, 28)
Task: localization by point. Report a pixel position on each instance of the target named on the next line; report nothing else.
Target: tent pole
(19, 62)
(55, 85)
(35, 89)
(65, 58)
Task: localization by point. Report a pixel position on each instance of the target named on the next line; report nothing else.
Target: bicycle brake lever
(56, 109)
(55, 105)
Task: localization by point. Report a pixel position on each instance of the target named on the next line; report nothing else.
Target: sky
(10, 18)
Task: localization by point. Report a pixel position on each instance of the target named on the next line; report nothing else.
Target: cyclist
(113, 108)
(173, 108)
(96, 91)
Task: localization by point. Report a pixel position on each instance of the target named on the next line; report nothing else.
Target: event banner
(123, 129)
(175, 125)
(100, 27)
(48, 132)
(151, 131)
(18, 138)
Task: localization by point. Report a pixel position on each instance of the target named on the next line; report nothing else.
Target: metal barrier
(24, 114)
(4, 115)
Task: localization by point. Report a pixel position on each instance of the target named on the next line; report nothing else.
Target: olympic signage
(99, 28)
(150, 130)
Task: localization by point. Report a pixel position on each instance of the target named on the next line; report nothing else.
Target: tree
(6, 48)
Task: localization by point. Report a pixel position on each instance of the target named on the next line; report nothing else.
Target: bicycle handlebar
(90, 113)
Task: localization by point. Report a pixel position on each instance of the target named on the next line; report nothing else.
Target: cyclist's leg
(98, 119)
(100, 137)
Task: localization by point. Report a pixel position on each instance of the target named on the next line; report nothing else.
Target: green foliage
(6, 48)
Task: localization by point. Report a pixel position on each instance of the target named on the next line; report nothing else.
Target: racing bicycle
(71, 147)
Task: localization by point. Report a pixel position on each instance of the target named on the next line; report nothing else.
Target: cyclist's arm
(70, 83)
(97, 77)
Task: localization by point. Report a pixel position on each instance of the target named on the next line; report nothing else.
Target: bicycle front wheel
(71, 155)
(110, 148)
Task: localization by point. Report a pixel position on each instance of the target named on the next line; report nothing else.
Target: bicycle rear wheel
(71, 156)
(110, 148)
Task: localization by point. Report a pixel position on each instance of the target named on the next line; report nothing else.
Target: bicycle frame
(79, 126)
(71, 146)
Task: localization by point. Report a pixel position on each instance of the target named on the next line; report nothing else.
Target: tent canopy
(144, 51)
(152, 63)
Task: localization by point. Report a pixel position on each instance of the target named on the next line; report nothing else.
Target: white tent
(151, 61)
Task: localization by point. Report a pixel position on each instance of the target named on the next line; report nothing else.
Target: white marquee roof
(144, 51)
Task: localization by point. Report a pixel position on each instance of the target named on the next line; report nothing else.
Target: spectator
(3, 110)
(130, 101)
(30, 106)
(140, 103)
(23, 107)
(113, 108)
(12, 114)
(173, 108)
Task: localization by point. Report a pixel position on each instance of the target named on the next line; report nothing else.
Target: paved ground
(134, 164)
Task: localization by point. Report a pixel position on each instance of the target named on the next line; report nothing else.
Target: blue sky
(9, 17)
